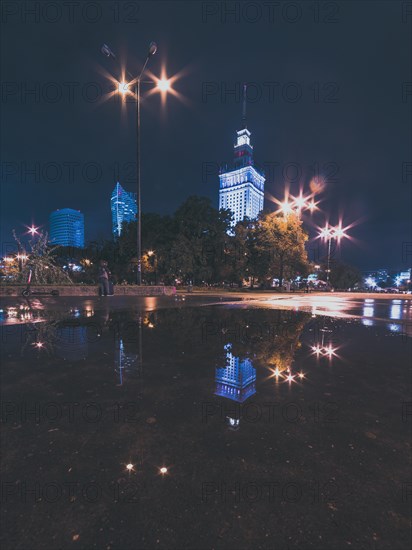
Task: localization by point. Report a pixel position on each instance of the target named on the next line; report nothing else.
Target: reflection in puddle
(396, 312)
(177, 398)
(368, 311)
(236, 381)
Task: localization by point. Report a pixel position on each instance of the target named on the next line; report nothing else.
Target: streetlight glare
(286, 207)
(325, 232)
(300, 202)
(339, 233)
(123, 88)
(163, 84)
(33, 230)
(312, 205)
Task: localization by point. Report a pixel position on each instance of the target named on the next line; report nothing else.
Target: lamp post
(297, 205)
(329, 233)
(123, 88)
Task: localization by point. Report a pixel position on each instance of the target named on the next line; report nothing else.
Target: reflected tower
(237, 380)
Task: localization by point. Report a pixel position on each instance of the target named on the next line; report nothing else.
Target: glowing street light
(339, 233)
(286, 208)
(312, 206)
(328, 233)
(33, 230)
(300, 202)
(276, 373)
(124, 88)
(164, 84)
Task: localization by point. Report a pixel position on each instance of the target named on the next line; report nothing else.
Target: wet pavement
(206, 423)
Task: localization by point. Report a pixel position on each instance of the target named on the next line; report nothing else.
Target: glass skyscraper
(67, 228)
(124, 208)
(242, 187)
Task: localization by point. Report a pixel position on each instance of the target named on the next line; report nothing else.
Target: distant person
(104, 275)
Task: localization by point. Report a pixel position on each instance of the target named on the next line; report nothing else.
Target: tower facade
(124, 208)
(67, 228)
(242, 188)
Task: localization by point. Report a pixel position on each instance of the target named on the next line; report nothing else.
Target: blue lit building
(124, 208)
(242, 188)
(237, 380)
(67, 228)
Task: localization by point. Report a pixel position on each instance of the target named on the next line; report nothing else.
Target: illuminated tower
(242, 188)
(124, 208)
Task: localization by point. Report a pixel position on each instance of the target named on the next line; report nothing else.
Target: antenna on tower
(244, 105)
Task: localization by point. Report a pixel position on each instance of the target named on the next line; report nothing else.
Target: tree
(344, 276)
(201, 230)
(279, 244)
(41, 261)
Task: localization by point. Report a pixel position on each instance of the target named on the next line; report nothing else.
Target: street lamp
(297, 205)
(286, 208)
(33, 230)
(328, 234)
(163, 84)
(123, 88)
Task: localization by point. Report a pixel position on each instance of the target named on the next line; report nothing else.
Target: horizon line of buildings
(66, 225)
(241, 190)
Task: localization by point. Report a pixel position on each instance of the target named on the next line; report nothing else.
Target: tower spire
(244, 106)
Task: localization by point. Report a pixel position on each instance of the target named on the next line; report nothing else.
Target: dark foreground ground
(319, 460)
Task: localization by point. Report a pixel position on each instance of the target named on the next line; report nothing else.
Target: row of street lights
(328, 233)
(297, 205)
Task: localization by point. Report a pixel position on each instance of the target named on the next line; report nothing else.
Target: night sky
(353, 119)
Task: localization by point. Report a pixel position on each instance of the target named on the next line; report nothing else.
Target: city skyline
(312, 109)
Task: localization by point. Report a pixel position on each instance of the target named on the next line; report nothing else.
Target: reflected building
(236, 381)
(125, 361)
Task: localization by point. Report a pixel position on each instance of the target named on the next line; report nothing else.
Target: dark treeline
(195, 245)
